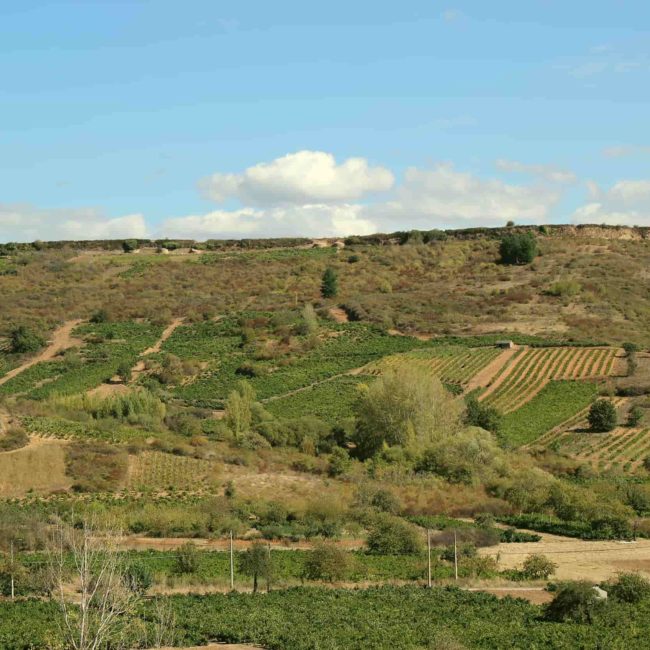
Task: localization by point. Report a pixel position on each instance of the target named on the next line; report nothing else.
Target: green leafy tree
(407, 406)
(329, 285)
(518, 248)
(129, 245)
(256, 562)
(24, 340)
(390, 535)
(629, 588)
(339, 462)
(538, 567)
(602, 416)
(187, 559)
(482, 415)
(326, 562)
(239, 410)
(574, 601)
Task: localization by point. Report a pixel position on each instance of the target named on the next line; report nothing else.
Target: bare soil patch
(339, 315)
(487, 374)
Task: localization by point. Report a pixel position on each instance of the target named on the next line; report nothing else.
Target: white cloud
(627, 202)
(549, 173)
(313, 220)
(445, 197)
(24, 222)
(621, 151)
(304, 177)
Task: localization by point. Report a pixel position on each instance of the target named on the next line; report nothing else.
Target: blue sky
(219, 119)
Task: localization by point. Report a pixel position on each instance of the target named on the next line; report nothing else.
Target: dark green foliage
(574, 601)
(602, 416)
(329, 285)
(629, 588)
(538, 567)
(257, 563)
(100, 316)
(326, 562)
(386, 501)
(390, 535)
(339, 462)
(129, 245)
(138, 578)
(482, 415)
(187, 559)
(23, 340)
(518, 248)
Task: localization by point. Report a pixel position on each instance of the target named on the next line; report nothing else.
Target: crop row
(155, 470)
(532, 369)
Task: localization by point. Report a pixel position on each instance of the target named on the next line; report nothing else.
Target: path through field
(62, 339)
(485, 376)
(167, 332)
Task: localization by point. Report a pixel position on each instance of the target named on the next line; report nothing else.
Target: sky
(218, 119)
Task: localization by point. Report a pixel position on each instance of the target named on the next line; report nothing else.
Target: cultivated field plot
(452, 364)
(623, 448)
(157, 470)
(533, 368)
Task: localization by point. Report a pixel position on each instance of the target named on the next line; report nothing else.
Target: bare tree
(163, 624)
(89, 582)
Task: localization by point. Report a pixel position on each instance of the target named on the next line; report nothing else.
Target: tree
(574, 601)
(187, 559)
(538, 567)
(25, 340)
(239, 409)
(329, 285)
(105, 600)
(339, 462)
(326, 562)
(124, 371)
(518, 248)
(129, 245)
(390, 535)
(406, 406)
(634, 416)
(602, 416)
(256, 562)
(482, 415)
(630, 355)
(629, 588)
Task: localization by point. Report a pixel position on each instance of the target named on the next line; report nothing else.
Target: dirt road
(61, 340)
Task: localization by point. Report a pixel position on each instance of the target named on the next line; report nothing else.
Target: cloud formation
(300, 178)
(625, 203)
(24, 222)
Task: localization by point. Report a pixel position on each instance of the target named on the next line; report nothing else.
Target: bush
(24, 340)
(187, 559)
(393, 536)
(15, 438)
(482, 415)
(602, 416)
(139, 579)
(518, 248)
(538, 567)
(326, 562)
(634, 416)
(573, 601)
(386, 501)
(629, 588)
(339, 462)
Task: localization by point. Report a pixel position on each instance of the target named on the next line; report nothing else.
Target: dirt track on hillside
(61, 340)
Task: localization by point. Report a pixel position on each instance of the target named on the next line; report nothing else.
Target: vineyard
(452, 364)
(624, 448)
(156, 470)
(533, 368)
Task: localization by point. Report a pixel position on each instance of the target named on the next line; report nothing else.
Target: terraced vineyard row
(532, 369)
(453, 364)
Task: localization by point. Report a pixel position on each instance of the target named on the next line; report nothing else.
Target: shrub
(326, 562)
(23, 340)
(573, 601)
(100, 316)
(129, 245)
(393, 536)
(15, 438)
(518, 248)
(482, 415)
(538, 567)
(634, 416)
(386, 501)
(339, 462)
(138, 578)
(602, 416)
(187, 559)
(564, 288)
(629, 588)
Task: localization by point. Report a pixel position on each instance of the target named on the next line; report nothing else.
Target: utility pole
(429, 557)
(455, 557)
(232, 566)
(12, 571)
